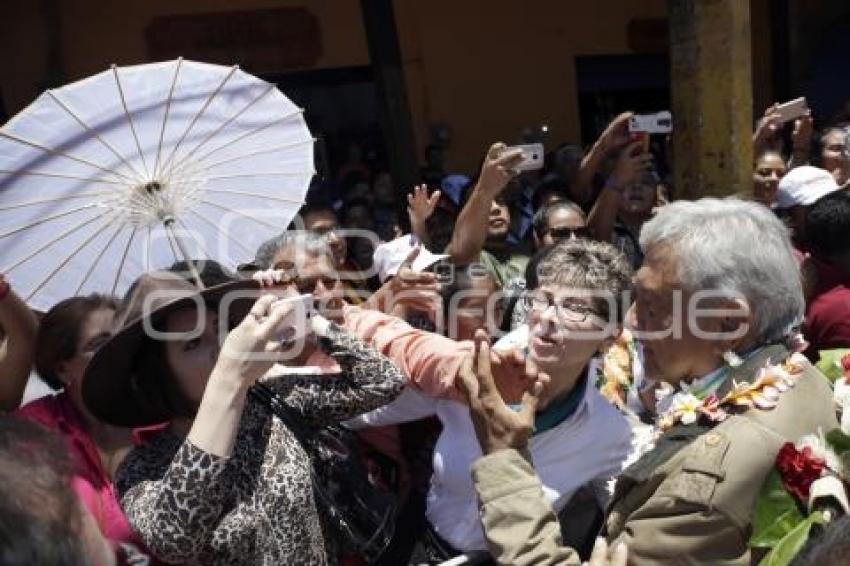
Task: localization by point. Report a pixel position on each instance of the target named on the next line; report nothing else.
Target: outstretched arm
(615, 137)
(519, 524)
(470, 230)
(17, 351)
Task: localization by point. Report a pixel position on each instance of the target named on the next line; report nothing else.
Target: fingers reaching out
(420, 206)
(602, 555)
(497, 425)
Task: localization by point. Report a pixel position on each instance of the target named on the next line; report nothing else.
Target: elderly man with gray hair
(717, 301)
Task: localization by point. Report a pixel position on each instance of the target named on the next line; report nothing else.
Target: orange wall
(487, 68)
(491, 67)
(97, 33)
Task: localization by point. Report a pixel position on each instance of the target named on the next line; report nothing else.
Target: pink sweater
(91, 482)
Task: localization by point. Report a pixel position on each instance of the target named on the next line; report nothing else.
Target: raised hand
(251, 348)
(767, 128)
(497, 426)
(420, 206)
(616, 134)
(801, 136)
(409, 289)
(631, 164)
(498, 168)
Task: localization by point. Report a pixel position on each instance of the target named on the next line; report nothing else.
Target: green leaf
(776, 513)
(839, 441)
(830, 363)
(787, 548)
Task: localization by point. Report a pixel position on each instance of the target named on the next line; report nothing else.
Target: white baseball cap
(389, 256)
(804, 186)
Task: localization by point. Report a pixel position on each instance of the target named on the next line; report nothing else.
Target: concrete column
(711, 81)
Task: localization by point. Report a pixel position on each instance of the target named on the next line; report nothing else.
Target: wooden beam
(394, 110)
(710, 61)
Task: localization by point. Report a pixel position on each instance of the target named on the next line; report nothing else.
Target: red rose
(798, 469)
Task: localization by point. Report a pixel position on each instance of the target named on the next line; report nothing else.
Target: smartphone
(305, 302)
(533, 155)
(641, 126)
(658, 123)
(298, 318)
(792, 109)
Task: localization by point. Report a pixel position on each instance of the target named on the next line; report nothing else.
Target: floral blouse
(257, 506)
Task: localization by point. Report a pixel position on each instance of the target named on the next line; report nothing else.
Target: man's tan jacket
(689, 500)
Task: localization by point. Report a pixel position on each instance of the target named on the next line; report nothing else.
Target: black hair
(353, 203)
(818, 142)
(59, 334)
(828, 225)
(40, 516)
(312, 206)
(441, 227)
(540, 222)
(155, 385)
(550, 184)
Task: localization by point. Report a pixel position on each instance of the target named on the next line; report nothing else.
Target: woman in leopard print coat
(226, 482)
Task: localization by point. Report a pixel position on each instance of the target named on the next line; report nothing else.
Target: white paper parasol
(136, 167)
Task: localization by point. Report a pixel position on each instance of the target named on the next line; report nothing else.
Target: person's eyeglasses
(308, 284)
(568, 309)
(567, 233)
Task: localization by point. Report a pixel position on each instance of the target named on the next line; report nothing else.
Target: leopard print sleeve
(368, 380)
(173, 503)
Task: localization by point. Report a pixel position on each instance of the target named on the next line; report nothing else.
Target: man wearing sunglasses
(560, 220)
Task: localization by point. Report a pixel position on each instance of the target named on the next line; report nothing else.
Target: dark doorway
(610, 84)
(341, 109)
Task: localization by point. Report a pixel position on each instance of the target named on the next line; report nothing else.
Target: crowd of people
(548, 367)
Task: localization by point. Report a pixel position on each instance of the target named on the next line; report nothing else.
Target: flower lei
(763, 393)
(614, 378)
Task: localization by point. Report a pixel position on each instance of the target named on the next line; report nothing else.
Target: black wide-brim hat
(110, 390)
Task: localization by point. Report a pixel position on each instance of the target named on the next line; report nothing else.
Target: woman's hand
(248, 352)
(497, 426)
(251, 348)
